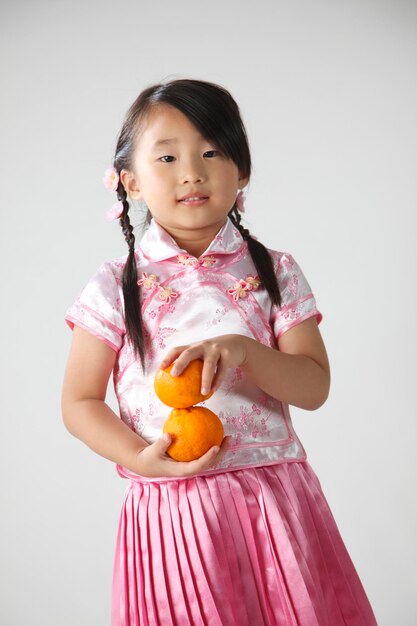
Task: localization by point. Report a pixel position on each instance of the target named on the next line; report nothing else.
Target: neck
(195, 242)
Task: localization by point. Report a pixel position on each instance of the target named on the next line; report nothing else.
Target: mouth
(193, 199)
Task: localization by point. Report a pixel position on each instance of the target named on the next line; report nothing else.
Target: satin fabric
(251, 547)
(185, 300)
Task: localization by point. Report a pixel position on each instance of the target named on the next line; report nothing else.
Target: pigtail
(131, 291)
(215, 114)
(261, 258)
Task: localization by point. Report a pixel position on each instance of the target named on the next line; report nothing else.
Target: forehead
(166, 125)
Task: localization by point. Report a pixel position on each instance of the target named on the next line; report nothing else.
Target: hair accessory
(240, 201)
(115, 211)
(111, 179)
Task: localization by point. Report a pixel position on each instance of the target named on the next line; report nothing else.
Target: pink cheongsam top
(185, 299)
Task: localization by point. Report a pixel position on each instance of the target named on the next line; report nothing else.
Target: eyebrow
(161, 142)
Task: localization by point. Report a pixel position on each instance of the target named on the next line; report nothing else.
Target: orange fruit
(181, 391)
(193, 430)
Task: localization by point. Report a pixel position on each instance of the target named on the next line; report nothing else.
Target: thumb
(164, 442)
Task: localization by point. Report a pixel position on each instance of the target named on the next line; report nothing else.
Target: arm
(84, 412)
(89, 418)
(298, 373)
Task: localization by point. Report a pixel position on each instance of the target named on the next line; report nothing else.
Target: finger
(220, 374)
(189, 354)
(162, 444)
(209, 368)
(171, 355)
(203, 462)
(224, 448)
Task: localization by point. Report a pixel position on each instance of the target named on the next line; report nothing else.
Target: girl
(242, 536)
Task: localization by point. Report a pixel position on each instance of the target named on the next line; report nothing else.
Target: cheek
(231, 173)
(155, 179)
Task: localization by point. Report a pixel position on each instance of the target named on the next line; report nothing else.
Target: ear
(243, 181)
(130, 183)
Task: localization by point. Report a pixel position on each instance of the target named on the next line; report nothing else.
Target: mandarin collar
(158, 245)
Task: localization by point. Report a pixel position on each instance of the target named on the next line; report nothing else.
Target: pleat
(251, 547)
(346, 593)
(243, 511)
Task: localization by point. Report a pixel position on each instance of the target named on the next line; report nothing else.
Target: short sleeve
(297, 300)
(98, 308)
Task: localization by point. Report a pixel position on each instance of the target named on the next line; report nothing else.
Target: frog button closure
(189, 260)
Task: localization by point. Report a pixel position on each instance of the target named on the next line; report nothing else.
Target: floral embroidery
(187, 259)
(138, 421)
(293, 284)
(245, 423)
(240, 289)
(293, 313)
(229, 385)
(218, 317)
(162, 334)
(149, 281)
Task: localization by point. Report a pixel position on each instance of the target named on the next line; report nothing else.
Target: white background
(328, 92)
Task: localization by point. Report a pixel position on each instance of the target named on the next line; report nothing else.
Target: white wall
(328, 93)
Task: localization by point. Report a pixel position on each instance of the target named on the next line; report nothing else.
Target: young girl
(242, 536)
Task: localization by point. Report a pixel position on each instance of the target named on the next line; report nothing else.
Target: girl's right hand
(154, 462)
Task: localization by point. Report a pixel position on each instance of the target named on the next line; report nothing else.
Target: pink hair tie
(111, 179)
(111, 182)
(240, 202)
(115, 211)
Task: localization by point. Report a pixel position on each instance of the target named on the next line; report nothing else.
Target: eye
(166, 156)
(212, 153)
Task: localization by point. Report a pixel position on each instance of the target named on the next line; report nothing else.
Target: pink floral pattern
(245, 423)
(230, 386)
(288, 263)
(186, 300)
(162, 334)
(138, 421)
(220, 313)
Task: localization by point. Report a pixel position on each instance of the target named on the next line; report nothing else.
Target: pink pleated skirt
(251, 547)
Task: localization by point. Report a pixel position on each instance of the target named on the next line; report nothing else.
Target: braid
(260, 256)
(236, 219)
(127, 227)
(131, 295)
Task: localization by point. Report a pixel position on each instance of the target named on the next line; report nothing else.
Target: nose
(193, 172)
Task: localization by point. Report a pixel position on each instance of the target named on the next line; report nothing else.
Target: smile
(194, 200)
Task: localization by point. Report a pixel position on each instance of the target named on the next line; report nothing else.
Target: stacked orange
(193, 429)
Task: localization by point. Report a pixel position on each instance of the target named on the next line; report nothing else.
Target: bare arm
(84, 411)
(90, 419)
(298, 373)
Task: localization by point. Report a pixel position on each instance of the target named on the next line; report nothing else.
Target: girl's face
(172, 160)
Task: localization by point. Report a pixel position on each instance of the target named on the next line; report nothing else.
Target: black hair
(214, 112)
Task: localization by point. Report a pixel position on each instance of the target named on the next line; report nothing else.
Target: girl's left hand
(218, 354)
